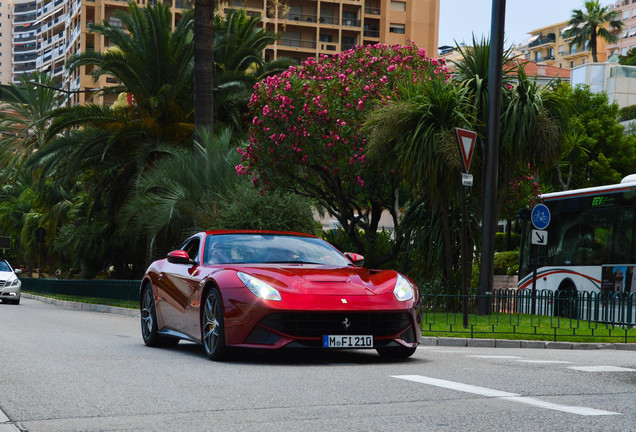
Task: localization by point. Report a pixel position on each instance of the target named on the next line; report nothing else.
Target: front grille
(317, 324)
(2, 283)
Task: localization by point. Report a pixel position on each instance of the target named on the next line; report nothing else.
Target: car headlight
(258, 287)
(403, 290)
(15, 282)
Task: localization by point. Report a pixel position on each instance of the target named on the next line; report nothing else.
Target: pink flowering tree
(306, 134)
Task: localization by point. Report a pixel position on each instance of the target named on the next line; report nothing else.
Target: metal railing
(560, 315)
(106, 291)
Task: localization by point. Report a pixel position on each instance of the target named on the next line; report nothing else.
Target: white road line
(495, 356)
(545, 361)
(601, 369)
(513, 397)
(6, 425)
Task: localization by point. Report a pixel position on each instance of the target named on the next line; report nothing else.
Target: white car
(9, 284)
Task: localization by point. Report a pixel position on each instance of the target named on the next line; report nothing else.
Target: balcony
(351, 22)
(299, 17)
(372, 33)
(297, 43)
(371, 10)
(329, 20)
(550, 38)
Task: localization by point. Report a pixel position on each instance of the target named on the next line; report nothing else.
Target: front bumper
(306, 329)
(10, 293)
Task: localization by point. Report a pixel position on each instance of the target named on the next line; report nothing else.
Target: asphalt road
(71, 370)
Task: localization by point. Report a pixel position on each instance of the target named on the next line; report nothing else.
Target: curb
(507, 343)
(84, 306)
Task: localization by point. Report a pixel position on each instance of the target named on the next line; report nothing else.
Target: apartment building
(311, 28)
(627, 37)
(548, 45)
(46, 33)
(6, 43)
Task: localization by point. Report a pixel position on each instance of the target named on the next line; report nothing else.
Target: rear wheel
(149, 330)
(565, 304)
(395, 352)
(212, 328)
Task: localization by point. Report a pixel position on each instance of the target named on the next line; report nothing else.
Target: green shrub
(627, 113)
(500, 241)
(507, 263)
(246, 208)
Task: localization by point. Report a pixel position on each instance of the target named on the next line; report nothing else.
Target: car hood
(325, 280)
(5, 275)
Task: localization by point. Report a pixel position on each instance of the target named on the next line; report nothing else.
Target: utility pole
(492, 155)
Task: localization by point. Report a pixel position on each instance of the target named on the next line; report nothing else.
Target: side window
(192, 248)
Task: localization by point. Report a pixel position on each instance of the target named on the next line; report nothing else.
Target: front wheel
(149, 330)
(212, 329)
(395, 352)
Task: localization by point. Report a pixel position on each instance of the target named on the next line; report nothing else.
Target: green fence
(109, 292)
(563, 316)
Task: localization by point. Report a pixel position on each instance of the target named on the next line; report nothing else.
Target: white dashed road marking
(495, 356)
(545, 361)
(601, 369)
(5, 424)
(513, 397)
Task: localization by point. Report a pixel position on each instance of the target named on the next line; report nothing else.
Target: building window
(632, 31)
(398, 6)
(624, 51)
(396, 28)
(539, 56)
(625, 15)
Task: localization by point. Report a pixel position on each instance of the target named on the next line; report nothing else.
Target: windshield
(4, 266)
(270, 248)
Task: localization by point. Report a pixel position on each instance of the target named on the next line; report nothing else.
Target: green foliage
(507, 263)
(305, 135)
(598, 152)
(383, 243)
(628, 59)
(628, 112)
(246, 208)
(502, 238)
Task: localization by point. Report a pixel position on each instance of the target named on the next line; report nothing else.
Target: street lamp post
(492, 153)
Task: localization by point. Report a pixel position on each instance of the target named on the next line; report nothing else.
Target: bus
(590, 246)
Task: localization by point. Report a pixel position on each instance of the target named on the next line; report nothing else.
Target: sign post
(540, 218)
(466, 140)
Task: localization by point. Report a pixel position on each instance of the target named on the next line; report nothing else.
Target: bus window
(622, 244)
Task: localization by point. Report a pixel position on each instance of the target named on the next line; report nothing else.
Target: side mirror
(17, 271)
(356, 259)
(179, 257)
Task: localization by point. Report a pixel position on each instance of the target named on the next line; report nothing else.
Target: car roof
(288, 233)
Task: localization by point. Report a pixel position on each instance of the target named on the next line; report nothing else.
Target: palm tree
(589, 25)
(179, 193)
(25, 117)
(153, 64)
(418, 129)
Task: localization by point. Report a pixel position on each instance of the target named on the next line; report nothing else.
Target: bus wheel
(565, 301)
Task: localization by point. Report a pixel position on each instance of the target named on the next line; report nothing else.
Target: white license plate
(346, 341)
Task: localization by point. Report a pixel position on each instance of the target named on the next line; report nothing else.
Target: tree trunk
(203, 64)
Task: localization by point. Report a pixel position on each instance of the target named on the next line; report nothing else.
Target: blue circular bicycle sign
(540, 216)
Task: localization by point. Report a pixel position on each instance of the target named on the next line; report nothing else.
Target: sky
(459, 19)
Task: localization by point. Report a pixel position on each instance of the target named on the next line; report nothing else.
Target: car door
(179, 306)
